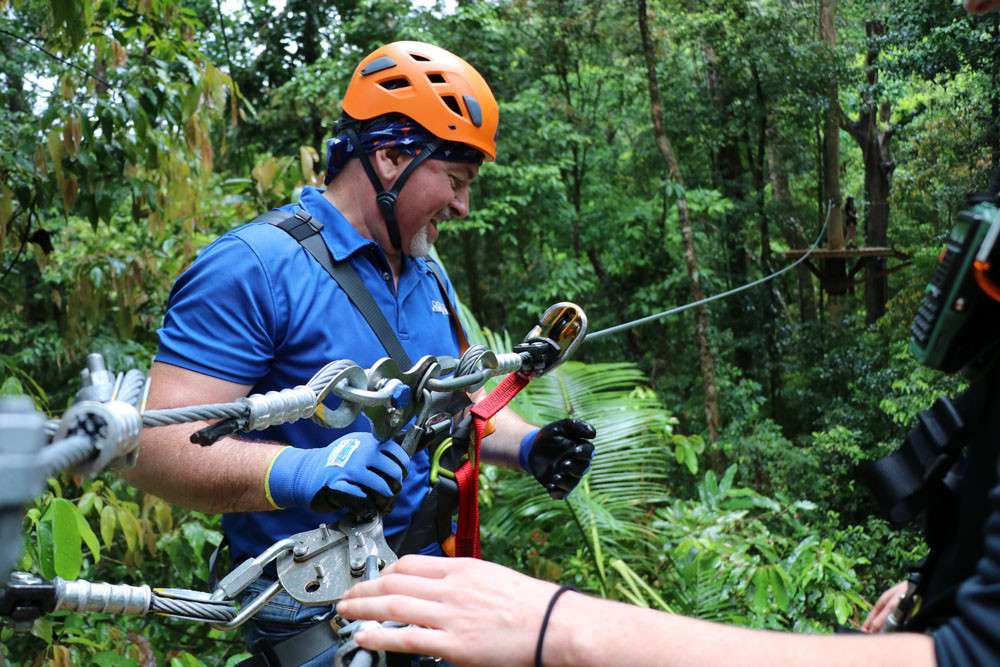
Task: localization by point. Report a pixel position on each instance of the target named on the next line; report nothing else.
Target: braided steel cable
(469, 363)
(203, 611)
(131, 387)
(194, 413)
(328, 372)
(694, 304)
(66, 454)
(288, 404)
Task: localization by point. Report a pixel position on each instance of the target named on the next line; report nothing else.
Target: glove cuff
(279, 483)
(527, 442)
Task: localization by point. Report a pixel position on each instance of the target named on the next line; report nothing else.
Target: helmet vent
(436, 78)
(452, 103)
(420, 58)
(475, 111)
(394, 84)
(377, 65)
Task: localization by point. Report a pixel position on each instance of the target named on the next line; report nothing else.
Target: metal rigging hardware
(102, 430)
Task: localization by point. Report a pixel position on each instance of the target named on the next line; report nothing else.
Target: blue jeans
(284, 617)
(281, 618)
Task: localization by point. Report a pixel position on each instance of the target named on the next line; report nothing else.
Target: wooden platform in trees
(831, 266)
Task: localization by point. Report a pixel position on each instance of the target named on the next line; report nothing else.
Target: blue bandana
(395, 131)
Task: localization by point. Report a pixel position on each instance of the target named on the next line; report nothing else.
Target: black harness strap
(386, 199)
(296, 650)
(432, 522)
(902, 480)
(305, 229)
(463, 342)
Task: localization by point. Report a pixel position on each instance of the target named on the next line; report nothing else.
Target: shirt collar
(340, 235)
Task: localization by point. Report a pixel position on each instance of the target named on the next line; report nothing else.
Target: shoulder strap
(305, 229)
(902, 480)
(463, 342)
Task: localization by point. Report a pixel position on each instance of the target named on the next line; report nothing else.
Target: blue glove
(558, 455)
(355, 471)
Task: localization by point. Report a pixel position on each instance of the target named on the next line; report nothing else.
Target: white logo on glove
(342, 452)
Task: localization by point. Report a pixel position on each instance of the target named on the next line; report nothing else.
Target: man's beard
(420, 246)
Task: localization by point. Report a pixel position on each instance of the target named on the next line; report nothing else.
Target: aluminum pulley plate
(327, 561)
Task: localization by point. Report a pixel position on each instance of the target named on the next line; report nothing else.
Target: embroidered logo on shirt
(438, 307)
(342, 452)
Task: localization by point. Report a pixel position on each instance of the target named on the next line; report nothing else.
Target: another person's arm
(478, 613)
(883, 608)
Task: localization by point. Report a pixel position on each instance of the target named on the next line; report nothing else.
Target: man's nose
(460, 203)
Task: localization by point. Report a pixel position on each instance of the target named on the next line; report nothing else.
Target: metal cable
(688, 306)
(131, 387)
(66, 454)
(325, 374)
(363, 658)
(193, 413)
(242, 409)
(210, 612)
(469, 363)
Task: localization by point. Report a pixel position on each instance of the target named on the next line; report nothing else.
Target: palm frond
(630, 467)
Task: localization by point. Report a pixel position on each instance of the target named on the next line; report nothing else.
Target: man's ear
(389, 163)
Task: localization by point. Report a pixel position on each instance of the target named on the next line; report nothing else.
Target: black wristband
(545, 622)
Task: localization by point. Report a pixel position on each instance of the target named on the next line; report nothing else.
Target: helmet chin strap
(386, 199)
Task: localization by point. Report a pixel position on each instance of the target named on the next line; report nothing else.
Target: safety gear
(558, 455)
(429, 85)
(944, 475)
(434, 87)
(394, 131)
(958, 318)
(353, 471)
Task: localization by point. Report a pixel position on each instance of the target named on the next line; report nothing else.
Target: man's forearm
(502, 446)
(228, 476)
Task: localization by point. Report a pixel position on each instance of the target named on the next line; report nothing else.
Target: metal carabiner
(565, 324)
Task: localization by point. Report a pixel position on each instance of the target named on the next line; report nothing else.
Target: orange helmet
(434, 87)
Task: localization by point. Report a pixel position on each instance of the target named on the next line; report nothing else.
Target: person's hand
(558, 455)
(886, 604)
(354, 471)
(458, 602)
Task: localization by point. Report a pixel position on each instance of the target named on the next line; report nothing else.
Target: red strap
(467, 536)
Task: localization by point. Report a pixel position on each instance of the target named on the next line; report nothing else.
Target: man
(851, 216)
(256, 312)
(454, 605)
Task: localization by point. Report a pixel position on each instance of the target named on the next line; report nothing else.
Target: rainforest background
(651, 152)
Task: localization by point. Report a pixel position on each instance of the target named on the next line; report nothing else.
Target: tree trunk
(697, 292)
(875, 142)
(835, 269)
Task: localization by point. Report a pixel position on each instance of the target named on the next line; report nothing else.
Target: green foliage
(631, 532)
(191, 122)
(103, 530)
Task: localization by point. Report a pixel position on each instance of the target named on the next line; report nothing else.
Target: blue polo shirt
(256, 308)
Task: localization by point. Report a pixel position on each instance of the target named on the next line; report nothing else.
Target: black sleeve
(972, 637)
